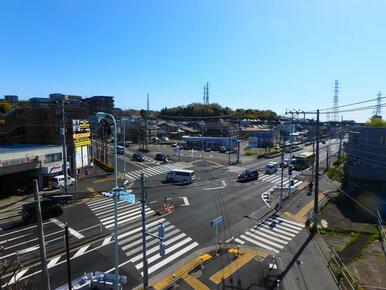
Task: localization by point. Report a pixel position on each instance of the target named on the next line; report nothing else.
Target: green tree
(5, 107)
(376, 122)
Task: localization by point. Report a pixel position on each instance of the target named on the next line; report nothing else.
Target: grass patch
(344, 231)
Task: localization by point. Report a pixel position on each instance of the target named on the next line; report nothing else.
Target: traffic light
(292, 182)
(290, 170)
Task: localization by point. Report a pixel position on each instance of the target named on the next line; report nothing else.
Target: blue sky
(273, 54)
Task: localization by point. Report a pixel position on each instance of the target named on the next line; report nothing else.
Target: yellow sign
(81, 135)
(82, 143)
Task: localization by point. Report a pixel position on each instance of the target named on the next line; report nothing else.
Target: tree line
(212, 110)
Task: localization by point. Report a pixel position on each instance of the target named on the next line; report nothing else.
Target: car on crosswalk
(248, 175)
(161, 156)
(138, 157)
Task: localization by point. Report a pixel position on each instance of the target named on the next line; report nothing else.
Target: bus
(304, 160)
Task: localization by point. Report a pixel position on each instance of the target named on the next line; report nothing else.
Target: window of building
(53, 157)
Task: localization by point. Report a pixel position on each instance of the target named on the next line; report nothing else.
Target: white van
(271, 167)
(58, 181)
(180, 175)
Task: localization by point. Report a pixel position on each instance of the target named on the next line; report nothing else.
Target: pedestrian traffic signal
(290, 170)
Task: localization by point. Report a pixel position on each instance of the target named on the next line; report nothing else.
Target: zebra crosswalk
(272, 234)
(160, 169)
(130, 238)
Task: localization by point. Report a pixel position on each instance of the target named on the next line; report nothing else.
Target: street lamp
(102, 115)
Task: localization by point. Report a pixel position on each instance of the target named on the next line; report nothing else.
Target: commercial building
(11, 99)
(100, 104)
(214, 143)
(21, 163)
(42, 125)
(261, 138)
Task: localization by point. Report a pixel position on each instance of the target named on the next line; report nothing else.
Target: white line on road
(73, 232)
(81, 251)
(223, 183)
(213, 188)
(186, 201)
(153, 201)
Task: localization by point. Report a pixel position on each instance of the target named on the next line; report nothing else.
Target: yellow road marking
(234, 266)
(299, 217)
(181, 272)
(103, 179)
(90, 189)
(195, 283)
(234, 251)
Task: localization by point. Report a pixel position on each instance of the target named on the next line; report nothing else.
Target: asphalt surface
(215, 193)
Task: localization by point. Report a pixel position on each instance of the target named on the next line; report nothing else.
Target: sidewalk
(243, 268)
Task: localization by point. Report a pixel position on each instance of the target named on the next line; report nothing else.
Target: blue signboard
(216, 221)
(127, 196)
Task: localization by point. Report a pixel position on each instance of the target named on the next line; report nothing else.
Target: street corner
(215, 268)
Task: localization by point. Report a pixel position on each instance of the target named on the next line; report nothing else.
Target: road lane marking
(186, 201)
(223, 183)
(53, 262)
(153, 201)
(171, 258)
(81, 251)
(71, 230)
(265, 241)
(17, 276)
(106, 241)
(214, 188)
(103, 180)
(258, 244)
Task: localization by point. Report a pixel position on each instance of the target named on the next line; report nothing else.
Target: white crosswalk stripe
(156, 170)
(272, 234)
(130, 237)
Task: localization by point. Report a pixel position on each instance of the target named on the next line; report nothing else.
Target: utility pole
(340, 138)
(124, 151)
(64, 150)
(282, 175)
(143, 200)
(69, 280)
(238, 143)
(316, 194)
(42, 243)
(290, 157)
(229, 152)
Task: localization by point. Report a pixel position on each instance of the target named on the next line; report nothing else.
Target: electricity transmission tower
(335, 108)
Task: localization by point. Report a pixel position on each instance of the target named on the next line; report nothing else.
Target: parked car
(174, 144)
(248, 175)
(223, 149)
(161, 157)
(49, 208)
(232, 150)
(207, 149)
(58, 181)
(138, 157)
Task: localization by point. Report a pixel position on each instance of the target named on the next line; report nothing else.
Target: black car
(248, 175)
(161, 156)
(49, 208)
(138, 157)
(223, 149)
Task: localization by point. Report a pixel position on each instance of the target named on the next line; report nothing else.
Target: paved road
(214, 193)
